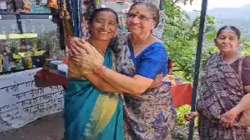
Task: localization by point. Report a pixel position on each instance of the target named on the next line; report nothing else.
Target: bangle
(100, 69)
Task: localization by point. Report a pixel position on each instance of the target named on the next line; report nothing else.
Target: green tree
(246, 47)
(180, 37)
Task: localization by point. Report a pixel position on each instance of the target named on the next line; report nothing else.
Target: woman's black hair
(99, 10)
(153, 9)
(233, 28)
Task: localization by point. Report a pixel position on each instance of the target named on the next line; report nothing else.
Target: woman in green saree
(90, 114)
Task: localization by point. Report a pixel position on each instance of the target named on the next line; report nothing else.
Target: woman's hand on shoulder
(84, 55)
(89, 59)
(76, 46)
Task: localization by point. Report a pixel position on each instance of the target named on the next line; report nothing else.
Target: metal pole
(19, 23)
(76, 16)
(197, 62)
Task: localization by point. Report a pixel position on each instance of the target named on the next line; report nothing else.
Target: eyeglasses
(140, 17)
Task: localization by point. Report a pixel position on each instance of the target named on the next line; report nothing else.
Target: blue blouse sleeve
(152, 61)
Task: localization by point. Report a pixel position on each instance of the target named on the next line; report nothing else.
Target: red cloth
(182, 94)
(45, 78)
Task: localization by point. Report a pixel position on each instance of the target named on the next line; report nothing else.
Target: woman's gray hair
(153, 9)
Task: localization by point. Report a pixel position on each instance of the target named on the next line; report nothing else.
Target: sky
(217, 4)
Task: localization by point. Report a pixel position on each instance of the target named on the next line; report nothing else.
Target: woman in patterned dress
(149, 111)
(225, 87)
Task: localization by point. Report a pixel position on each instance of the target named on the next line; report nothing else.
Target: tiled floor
(46, 128)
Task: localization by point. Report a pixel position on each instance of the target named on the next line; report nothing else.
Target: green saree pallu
(90, 114)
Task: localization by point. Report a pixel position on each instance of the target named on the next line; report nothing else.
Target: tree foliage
(246, 47)
(180, 37)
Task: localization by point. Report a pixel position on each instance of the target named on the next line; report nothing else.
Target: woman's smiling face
(104, 26)
(140, 20)
(227, 41)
